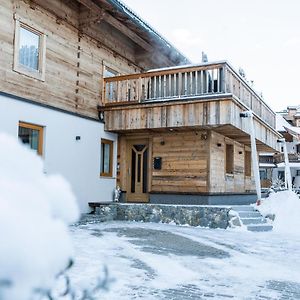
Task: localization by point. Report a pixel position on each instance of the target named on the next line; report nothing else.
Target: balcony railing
(179, 83)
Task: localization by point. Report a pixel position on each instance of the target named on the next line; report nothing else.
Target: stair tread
(242, 208)
(260, 227)
(254, 221)
(249, 214)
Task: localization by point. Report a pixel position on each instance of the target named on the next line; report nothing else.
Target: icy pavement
(159, 261)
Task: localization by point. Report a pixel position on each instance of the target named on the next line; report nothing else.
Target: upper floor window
(111, 87)
(109, 72)
(31, 135)
(29, 55)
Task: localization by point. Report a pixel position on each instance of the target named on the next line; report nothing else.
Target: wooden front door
(137, 167)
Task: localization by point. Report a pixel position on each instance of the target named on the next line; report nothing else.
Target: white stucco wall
(77, 161)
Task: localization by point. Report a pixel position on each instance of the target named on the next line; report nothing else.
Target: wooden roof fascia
(116, 24)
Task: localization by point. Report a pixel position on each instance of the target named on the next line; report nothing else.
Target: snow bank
(34, 212)
(285, 205)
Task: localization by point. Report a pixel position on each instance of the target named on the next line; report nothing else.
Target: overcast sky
(261, 36)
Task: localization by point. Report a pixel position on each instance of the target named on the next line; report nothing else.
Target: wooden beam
(88, 17)
(117, 24)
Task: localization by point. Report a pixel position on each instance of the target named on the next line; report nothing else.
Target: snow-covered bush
(285, 206)
(35, 210)
(278, 185)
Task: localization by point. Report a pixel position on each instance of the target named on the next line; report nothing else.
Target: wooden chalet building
(181, 137)
(170, 134)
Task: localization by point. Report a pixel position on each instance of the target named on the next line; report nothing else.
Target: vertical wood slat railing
(238, 87)
(183, 83)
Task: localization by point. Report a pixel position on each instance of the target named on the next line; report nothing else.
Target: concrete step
(249, 214)
(248, 221)
(242, 208)
(260, 227)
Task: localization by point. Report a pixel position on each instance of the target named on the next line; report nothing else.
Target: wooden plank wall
(186, 114)
(74, 63)
(169, 114)
(192, 162)
(219, 180)
(184, 162)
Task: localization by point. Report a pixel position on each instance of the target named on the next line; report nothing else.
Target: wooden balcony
(210, 95)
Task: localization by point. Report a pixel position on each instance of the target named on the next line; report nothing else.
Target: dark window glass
(106, 158)
(145, 171)
(133, 160)
(31, 135)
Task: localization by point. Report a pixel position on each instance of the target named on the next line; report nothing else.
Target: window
(32, 135)
(29, 51)
(263, 174)
(111, 87)
(106, 158)
(229, 159)
(281, 175)
(247, 163)
(109, 72)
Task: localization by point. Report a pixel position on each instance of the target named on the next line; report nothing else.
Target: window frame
(248, 164)
(108, 90)
(231, 160)
(19, 68)
(111, 143)
(41, 134)
(111, 70)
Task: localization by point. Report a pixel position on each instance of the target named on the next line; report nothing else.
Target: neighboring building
(271, 165)
(291, 115)
(170, 133)
(266, 169)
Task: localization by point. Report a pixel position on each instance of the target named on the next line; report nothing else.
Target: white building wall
(77, 161)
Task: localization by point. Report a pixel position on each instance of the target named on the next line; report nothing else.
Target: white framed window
(109, 72)
(111, 87)
(29, 51)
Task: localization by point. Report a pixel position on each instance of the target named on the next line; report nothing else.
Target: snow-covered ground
(159, 261)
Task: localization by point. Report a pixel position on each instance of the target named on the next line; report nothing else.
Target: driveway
(159, 261)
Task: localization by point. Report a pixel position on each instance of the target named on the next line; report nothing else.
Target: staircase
(251, 218)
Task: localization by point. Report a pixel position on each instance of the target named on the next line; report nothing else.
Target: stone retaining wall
(205, 216)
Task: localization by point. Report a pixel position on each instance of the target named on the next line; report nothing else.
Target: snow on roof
(142, 23)
(281, 123)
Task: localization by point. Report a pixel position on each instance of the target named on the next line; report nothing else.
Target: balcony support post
(249, 116)
(287, 170)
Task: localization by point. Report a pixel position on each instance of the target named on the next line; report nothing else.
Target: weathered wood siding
(184, 162)
(74, 63)
(223, 113)
(192, 162)
(219, 180)
(169, 114)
